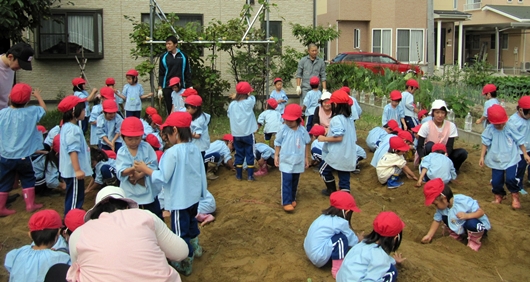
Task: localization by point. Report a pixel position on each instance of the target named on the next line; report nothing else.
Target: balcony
(473, 6)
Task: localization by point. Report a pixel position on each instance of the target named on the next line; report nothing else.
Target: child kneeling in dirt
(460, 214)
(393, 163)
(437, 165)
(330, 236)
(370, 259)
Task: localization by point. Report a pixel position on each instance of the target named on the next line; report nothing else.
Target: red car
(375, 62)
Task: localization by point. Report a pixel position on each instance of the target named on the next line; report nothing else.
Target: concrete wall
(54, 76)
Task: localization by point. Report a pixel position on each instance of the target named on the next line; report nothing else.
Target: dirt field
(253, 239)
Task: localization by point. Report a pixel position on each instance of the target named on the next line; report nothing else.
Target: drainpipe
(497, 53)
(460, 43)
(314, 13)
(430, 36)
(524, 49)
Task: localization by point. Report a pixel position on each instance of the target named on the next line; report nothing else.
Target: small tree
(318, 35)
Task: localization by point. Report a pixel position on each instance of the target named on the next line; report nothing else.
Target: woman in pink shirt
(120, 242)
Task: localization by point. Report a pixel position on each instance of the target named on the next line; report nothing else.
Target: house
(97, 29)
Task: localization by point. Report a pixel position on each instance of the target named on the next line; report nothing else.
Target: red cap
(194, 100)
(68, 103)
(42, 129)
(388, 224)
(20, 93)
(340, 97)
(346, 89)
(524, 102)
(405, 135)
(107, 92)
(189, 92)
(110, 154)
(45, 219)
(422, 113)
(439, 147)
(393, 125)
(314, 80)
(56, 143)
(272, 103)
(74, 218)
(152, 140)
(497, 114)
(413, 83)
(132, 72)
(158, 155)
(488, 88)
(244, 88)
(77, 81)
(132, 127)
(174, 81)
(432, 189)
(395, 95)
(397, 143)
(292, 112)
(110, 81)
(178, 119)
(416, 129)
(317, 130)
(150, 111)
(343, 200)
(228, 137)
(157, 119)
(110, 106)
(277, 79)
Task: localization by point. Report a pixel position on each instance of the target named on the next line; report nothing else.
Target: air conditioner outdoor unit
(526, 66)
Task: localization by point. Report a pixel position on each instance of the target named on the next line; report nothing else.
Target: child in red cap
(74, 155)
(520, 120)
(111, 83)
(330, 236)
(180, 165)
(79, 91)
(176, 95)
(99, 159)
(242, 126)
(490, 93)
(32, 262)
(220, 152)
(370, 259)
(133, 93)
(316, 146)
(461, 214)
(105, 93)
(423, 116)
(407, 103)
(108, 127)
(503, 144)
(272, 120)
(73, 220)
(199, 125)
(20, 139)
(437, 165)
(394, 111)
(393, 163)
(291, 154)
(310, 102)
(279, 95)
(376, 135)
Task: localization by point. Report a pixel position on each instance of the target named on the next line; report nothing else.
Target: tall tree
(19, 15)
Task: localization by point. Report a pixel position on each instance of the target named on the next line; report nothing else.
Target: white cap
(110, 192)
(437, 105)
(325, 95)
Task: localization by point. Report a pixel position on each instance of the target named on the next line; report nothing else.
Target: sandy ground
(253, 239)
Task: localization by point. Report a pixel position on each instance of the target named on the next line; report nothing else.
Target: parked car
(375, 62)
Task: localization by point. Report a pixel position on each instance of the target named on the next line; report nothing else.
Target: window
(504, 41)
(182, 21)
(71, 32)
(520, 1)
(275, 30)
(455, 4)
(409, 45)
(356, 38)
(382, 41)
(475, 39)
(492, 42)
(509, 1)
(472, 5)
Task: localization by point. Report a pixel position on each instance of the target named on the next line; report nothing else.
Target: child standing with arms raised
(291, 154)
(17, 144)
(243, 125)
(74, 156)
(133, 93)
(79, 91)
(394, 111)
(181, 165)
(339, 150)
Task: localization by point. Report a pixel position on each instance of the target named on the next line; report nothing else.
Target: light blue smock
(503, 146)
(242, 118)
(293, 148)
(271, 119)
(73, 140)
(341, 155)
(461, 203)
(19, 137)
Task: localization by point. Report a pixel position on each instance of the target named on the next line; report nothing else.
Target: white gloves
(298, 90)
(160, 95)
(326, 91)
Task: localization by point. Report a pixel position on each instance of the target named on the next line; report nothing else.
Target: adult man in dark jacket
(173, 63)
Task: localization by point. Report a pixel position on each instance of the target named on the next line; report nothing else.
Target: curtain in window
(376, 41)
(386, 42)
(52, 33)
(416, 46)
(100, 34)
(403, 45)
(81, 31)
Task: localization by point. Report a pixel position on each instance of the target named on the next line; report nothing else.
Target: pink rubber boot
(335, 266)
(452, 234)
(263, 170)
(29, 198)
(473, 240)
(3, 200)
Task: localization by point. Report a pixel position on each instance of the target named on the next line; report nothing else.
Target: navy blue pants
(521, 168)
(214, 157)
(133, 114)
(117, 146)
(473, 225)
(75, 194)
(269, 161)
(153, 207)
(501, 177)
(289, 187)
(11, 167)
(391, 274)
(309, 122)
(84, 124)
(411, 122)
(268, 136)
(244, 147)
(340, 246)
(326, 172)
(184, 224)
(317, 154)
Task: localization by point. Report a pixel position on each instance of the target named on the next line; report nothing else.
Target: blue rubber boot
(197, 249)
(250, 171)
(239, 172)
(393, 182)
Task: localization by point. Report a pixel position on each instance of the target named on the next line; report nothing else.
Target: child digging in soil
(330, 236)
(460, 214)
(437, 165)
(370, 259)
(291, 154)
(393, 163)
(272, 120)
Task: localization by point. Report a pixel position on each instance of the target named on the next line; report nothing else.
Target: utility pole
(430, 37)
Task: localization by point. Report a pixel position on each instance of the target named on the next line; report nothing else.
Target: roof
(516, 13)
(451, 15)
(450, 12)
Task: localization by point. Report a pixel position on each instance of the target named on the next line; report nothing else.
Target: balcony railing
(472, 6)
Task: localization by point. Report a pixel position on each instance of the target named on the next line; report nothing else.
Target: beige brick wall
(54, 76)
